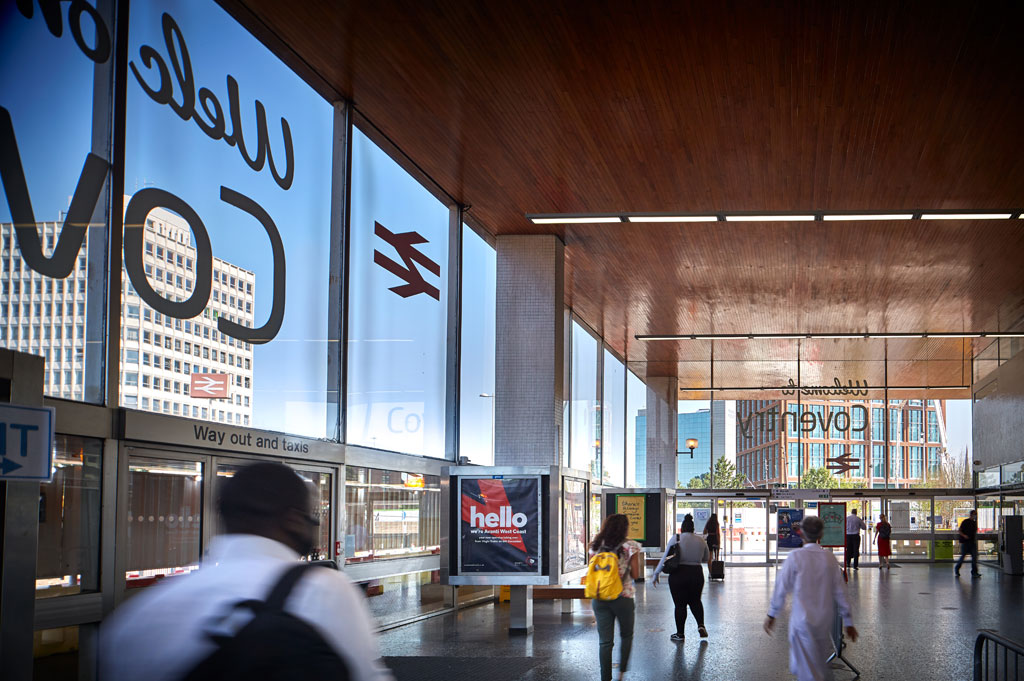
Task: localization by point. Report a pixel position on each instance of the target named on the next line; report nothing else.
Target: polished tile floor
(916, 622)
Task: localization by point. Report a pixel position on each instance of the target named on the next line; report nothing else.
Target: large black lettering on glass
(99, 52)
(269, 330)
(142, 202)
(76, 222)
(215, 128)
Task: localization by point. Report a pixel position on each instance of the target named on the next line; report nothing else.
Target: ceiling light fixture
(966, 216)
(869, 216)
(557, 220)
(671, 218)
(769, 218)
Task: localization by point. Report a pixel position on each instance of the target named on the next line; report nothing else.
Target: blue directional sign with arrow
(26, 442)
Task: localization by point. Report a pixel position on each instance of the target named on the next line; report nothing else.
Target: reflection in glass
(390, 514)
(244, 239)
(393, 599)
(164, 519)
(56, 310)
(67, 558)
(613, 428)
(398, 274)
(55, 653)
(636, 428)
(476, 364)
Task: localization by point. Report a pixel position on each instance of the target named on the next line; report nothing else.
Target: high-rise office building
(777, 444)
(159, 354)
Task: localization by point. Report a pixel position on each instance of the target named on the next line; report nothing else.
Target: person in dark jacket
(969, 542)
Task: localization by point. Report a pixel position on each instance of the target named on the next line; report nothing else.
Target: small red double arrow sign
(841, 464)
(209, 385)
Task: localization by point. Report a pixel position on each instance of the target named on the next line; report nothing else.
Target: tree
(819, 478)
(726, 477)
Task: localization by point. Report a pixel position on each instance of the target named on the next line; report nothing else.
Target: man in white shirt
(853, 527)
(162, 634)
(812, 574)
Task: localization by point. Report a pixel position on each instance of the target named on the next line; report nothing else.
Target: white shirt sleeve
(783, 585)
(661, 563)
(338, 609)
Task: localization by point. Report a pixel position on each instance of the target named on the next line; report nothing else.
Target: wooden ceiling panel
(570, 107)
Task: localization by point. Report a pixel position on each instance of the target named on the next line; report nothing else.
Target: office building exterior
(780, 440)
(48, 317)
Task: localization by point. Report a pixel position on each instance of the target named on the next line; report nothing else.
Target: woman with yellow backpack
(614, 564)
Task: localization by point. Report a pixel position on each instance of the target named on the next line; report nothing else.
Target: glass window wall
(636, 431)
(57, 152)
(476, 363)
(585, 417)
(398, 307)
(233, 261)
(613, 430)
(390, 514)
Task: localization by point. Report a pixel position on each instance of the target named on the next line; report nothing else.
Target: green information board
(834, 517)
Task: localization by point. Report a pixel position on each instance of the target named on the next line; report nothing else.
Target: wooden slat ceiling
(578, 107)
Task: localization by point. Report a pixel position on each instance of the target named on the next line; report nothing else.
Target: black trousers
(853, 550)
(686, 585)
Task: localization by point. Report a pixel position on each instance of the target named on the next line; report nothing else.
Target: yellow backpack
(602, 581)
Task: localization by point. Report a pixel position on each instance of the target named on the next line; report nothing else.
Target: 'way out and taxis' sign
(26, 442)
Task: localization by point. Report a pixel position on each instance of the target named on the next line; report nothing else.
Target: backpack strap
(283, 588)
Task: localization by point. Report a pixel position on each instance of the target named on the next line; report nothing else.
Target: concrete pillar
(530, 353)
(662, 431)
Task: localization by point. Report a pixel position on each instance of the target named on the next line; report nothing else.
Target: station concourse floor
(915, 622)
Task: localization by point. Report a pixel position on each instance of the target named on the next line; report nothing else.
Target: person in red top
(883, 534)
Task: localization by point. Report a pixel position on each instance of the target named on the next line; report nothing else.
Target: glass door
(745, 531)
(163, 518)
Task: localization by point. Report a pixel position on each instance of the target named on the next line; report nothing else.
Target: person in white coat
(813, 575)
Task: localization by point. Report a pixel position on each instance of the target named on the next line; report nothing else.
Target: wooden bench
(567, 593)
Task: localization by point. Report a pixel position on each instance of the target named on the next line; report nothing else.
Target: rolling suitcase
(717, 570)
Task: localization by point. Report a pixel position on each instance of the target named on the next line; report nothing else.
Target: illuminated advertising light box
(574, 524)
(500, 525)
(833, 515)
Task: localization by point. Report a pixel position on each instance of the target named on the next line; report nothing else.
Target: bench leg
(568, 605)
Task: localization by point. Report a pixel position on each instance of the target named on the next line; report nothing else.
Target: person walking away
(253, 610)
(812, 575)
(687, 581)
(612, 538)
(883, 537)
(969, 542)
(713, 536)
(853, 527)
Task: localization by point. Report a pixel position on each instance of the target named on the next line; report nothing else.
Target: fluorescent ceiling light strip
(769, 218)
(869, 216)
(966, 216)
(575, 220)
(672, 218)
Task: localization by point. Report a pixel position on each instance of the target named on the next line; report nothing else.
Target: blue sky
(401, 359)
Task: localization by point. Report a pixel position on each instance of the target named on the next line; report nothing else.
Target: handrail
(1002, 645)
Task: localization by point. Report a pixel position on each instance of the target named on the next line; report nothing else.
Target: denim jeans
(966, 546)
(606, 612)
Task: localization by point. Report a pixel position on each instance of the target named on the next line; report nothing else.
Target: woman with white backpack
(611, 552)
(683, 562)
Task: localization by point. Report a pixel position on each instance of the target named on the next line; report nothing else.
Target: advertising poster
(834, 517)
(700, 519)
(789, 518)
(633, 507)
(574, 519)
(500, 526)
(943, 549)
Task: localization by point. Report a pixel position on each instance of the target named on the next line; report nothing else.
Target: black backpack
(274, 646)
(671, 559)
